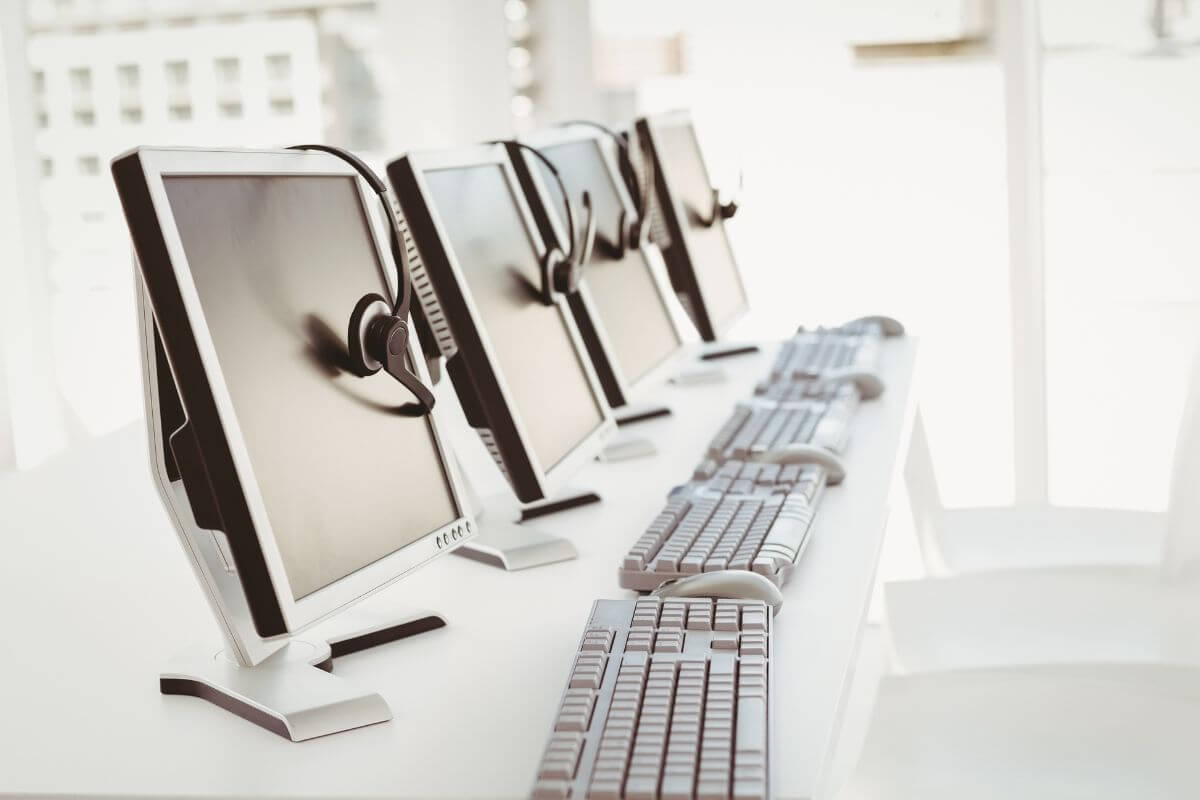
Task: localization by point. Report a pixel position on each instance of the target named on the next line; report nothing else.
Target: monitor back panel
(622, 308)
(519, 367)
(697, 249)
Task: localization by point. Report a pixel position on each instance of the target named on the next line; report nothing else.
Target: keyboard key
(588, 671)
(550, 789)
(598, 640)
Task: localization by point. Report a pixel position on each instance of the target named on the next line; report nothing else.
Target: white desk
(96, 596)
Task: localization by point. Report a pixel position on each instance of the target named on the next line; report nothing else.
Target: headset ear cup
(551, 266)
(356, 333)
(564, 275)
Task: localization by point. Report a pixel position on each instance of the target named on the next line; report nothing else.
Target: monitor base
(293, 692)
(623, 448)
(505, 541)
(628, 414)
(698, 376)
(715, 352)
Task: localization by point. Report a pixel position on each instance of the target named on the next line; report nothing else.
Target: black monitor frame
(672, 215)
(461, 333)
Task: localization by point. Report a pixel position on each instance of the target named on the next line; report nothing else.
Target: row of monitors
(319, 484)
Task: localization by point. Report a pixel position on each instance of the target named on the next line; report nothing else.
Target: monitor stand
(506, 540)
(624, 445)
(623, 448)
(632, 414)
(707, 372)
(699, 375)
(715, 352)
(293, 692)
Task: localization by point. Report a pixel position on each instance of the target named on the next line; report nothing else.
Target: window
(88, 165)
(43, 119)
(282, 106)
(228, 70)
(230, 109)
(81, 80)
(39, 82)
(180, 113)
(177, 74)
(279, 67)
(129, 77)
(131, 115)
(47, 168)
(84, 117)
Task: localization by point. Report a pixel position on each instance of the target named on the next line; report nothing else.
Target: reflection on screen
(279, 263)
(631, 310)
(712, 258)
(532, 343)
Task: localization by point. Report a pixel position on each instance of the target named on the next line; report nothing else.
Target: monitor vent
(426, 296)
(659, 234)
(489, 441)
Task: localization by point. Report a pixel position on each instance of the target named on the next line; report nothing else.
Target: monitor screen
(632, 311)
(532, 343)
(711, 257)
(278, 263)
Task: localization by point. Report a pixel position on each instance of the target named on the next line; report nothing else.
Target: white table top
(97, 596)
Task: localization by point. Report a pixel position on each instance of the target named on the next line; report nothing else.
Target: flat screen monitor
(622, 307)
(323, 483)
(697, 250)
(518, 366)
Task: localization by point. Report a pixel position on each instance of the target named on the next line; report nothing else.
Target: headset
(630, 235)
(377, 335)
(561, 271)
(723, 210)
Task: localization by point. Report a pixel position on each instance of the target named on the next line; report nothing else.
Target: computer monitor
(690, 230)
(518, 366)
(624, 306)
(297, 486)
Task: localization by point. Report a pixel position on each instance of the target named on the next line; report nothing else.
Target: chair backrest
(924, 499)
(1181, 549)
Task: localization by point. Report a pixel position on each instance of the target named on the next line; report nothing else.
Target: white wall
(87, 264)
(447, 82)
(30, 420)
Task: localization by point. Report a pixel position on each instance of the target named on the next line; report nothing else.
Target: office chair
(1141, 611)
(961, 540)
(1061, 732)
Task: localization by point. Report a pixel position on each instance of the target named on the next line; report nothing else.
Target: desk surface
(97, 596)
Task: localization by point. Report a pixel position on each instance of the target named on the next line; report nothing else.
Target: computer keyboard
(799, 412)
(665, 699)
(810, 354)
(746, 515)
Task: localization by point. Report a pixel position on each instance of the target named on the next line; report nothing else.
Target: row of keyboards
(750, 502)
(670, 697)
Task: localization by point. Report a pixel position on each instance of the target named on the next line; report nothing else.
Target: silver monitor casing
(208, 550)
(673, 229)
(550, 480)
(649, 252)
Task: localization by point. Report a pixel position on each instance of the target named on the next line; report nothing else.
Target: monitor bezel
(549, 480)
(678, 254)
(651, 256)
(178, 312)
